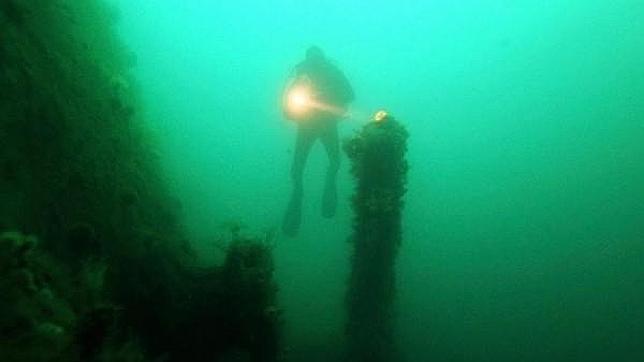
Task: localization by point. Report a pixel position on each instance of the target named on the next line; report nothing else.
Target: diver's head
(314, 54)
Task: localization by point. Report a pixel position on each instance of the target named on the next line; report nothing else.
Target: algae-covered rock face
(249, 267)
(49, 313)
(12, 11)
(35, 323)
(82, 242)
(78, 169)
(14, 249)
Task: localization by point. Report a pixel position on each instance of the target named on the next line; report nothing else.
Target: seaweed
(33, 315)
(13, 11)
(101, 269)
(378, 163)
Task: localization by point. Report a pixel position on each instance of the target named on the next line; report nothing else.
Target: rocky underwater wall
(94, 265)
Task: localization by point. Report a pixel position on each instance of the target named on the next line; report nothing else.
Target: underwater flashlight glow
(301, 104)
(298, 98)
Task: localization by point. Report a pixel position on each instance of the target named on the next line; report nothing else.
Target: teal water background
(524, 223)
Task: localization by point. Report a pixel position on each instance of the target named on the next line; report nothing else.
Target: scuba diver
(315, 100)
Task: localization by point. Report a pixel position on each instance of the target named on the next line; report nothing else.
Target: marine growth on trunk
(378, 163)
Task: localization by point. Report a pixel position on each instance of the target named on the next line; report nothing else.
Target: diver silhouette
(316, 100)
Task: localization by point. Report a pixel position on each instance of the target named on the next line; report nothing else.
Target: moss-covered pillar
(377, 154)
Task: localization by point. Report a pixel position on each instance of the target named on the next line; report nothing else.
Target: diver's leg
(293, 215)
(331, 142)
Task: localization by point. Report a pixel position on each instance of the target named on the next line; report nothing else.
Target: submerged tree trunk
(377, 154)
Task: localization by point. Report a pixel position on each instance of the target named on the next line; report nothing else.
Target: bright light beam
(300, 101)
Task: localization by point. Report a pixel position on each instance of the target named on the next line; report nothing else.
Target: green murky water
(523, 228)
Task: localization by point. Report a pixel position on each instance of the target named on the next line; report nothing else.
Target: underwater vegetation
(378, 164)
(49, 313)
(94, 262)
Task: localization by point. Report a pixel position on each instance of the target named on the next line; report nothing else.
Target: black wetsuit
(332, 88)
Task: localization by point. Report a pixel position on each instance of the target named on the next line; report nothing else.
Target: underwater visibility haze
(147, 169)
